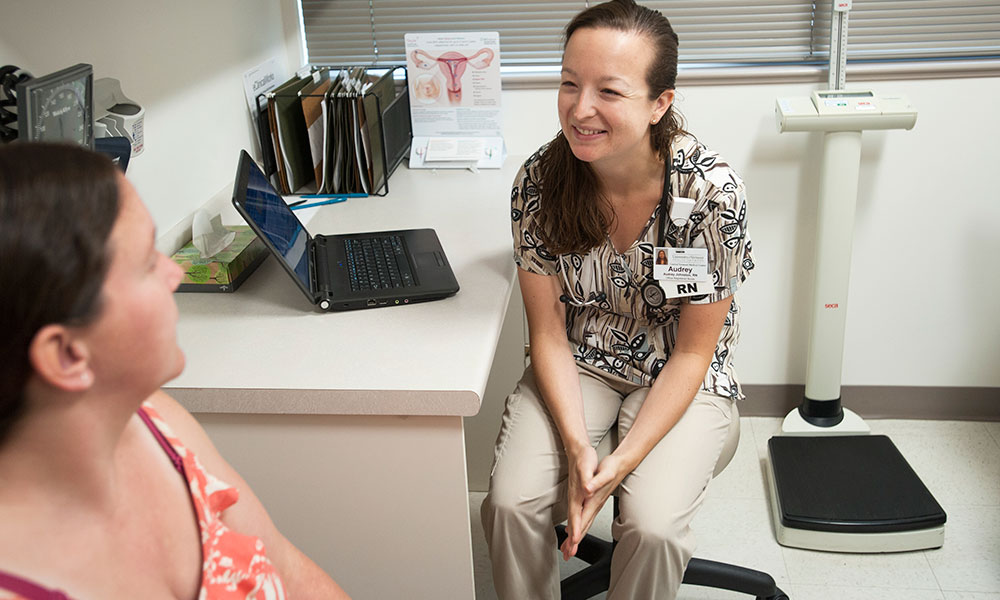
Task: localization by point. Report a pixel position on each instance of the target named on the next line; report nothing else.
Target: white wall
(920, 308)
(923, 284)
(183, 61)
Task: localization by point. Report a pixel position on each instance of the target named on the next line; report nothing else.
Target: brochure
(454, 81)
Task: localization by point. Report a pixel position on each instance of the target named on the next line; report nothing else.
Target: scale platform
(849, 494)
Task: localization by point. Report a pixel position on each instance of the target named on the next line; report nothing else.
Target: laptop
(344, 272)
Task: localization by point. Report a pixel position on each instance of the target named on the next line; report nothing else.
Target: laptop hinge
(319, 264)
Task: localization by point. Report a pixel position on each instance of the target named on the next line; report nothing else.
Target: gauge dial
(59, 106)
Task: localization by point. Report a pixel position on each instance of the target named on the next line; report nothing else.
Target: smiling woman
(619, 81)
(610, 345)
(100, 496)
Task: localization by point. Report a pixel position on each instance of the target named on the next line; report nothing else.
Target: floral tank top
(234, 566)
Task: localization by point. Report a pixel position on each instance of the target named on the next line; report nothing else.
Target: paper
(464, 149)
(491, 153)
(259, 80)
(454, 83)
(208, 235)
(454, 87)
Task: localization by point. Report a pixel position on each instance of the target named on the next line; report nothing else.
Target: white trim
(303, 48)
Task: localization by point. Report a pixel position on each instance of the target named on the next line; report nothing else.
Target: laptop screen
(276, 222)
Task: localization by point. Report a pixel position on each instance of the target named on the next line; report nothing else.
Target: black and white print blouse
(623, 335)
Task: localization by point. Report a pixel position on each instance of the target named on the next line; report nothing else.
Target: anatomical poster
(454, 81)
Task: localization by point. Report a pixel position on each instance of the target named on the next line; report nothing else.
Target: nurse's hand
(610, 473)
(582, 466)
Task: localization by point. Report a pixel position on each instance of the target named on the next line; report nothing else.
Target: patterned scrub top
(623, 335)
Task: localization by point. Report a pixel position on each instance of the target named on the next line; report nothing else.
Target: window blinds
(710, 31)
(901, 29)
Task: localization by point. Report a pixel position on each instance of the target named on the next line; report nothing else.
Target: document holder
(342, 128)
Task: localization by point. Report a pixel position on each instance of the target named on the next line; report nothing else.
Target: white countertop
(265, 350)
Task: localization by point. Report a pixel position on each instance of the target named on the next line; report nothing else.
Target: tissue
(208, 234)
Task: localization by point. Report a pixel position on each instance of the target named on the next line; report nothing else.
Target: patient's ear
(61, 359)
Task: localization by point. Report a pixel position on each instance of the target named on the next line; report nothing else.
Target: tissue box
(225, 271)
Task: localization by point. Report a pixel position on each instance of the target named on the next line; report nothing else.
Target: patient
(108, 487)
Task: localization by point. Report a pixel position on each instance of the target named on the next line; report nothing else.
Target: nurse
(612, 346)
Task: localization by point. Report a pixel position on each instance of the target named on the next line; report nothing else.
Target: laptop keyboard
(377, 263)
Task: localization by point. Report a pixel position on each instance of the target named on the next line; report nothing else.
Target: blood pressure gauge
(58, 107)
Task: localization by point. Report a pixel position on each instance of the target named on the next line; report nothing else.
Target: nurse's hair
(58, 204)
(573, 214)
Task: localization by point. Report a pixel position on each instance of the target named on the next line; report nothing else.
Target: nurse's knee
(508, 498)
(655, 529)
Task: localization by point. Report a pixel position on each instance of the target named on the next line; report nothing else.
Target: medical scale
(833, 486)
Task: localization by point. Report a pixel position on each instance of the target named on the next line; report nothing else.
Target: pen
(329, 200)
(334, 197)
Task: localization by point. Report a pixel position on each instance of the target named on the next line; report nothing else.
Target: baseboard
(884, 402)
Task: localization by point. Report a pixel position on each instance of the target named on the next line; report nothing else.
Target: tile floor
(958, 461)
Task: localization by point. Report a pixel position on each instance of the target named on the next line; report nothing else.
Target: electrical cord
(10, 77)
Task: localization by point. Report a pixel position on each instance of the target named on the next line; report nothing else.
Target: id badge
(681, 265)
(682, 271)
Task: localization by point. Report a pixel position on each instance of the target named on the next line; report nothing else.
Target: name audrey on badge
(682, 265)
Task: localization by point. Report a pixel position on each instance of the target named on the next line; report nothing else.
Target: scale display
(844, 110)
(58, 107)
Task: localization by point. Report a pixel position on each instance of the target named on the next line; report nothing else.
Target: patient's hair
(58, 203)
(573, 213)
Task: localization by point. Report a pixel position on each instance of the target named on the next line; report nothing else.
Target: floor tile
(958, 461)
(692, 592)
(825, 592)
(764, 428)
(971, 596)
(897, 570)
(994, 429)
(738, 531)
(970, 558)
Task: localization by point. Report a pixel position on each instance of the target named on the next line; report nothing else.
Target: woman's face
(604, 106)
(133, 342)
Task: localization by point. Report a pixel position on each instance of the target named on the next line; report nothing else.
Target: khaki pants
(658, 500)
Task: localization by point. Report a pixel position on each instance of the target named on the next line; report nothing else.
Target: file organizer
(337, 130)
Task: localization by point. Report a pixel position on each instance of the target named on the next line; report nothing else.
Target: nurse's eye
(568, 84)
(610, 92)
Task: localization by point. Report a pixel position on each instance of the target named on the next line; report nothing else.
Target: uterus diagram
(452, 65)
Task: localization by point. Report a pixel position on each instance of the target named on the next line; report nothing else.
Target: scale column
(834, 236)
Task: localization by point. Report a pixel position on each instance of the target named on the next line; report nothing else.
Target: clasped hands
(590, 484)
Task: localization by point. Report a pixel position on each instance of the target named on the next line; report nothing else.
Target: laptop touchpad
(428, 260)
